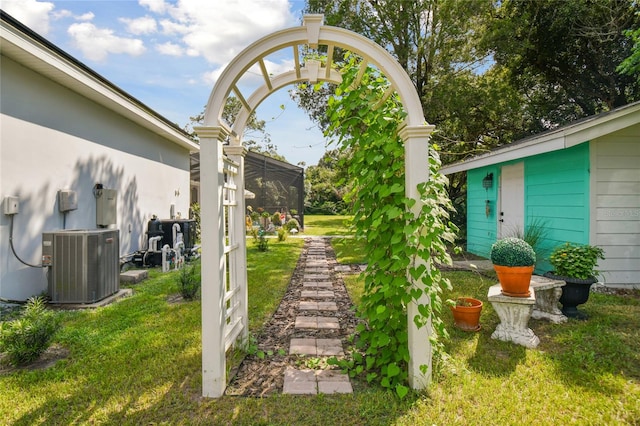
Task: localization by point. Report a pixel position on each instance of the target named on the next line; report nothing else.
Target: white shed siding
(51, 138)
(615, 221)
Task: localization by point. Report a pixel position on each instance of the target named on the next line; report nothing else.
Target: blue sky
(168, 54)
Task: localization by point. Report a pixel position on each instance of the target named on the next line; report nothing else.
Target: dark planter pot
(575, 292)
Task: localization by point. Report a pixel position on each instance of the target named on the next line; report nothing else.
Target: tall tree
(472, 105)
(563, 55)
(325, 183)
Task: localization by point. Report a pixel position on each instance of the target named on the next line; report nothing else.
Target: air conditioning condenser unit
(83, 264)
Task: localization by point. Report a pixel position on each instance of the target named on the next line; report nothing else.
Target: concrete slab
(123, 292)
(134, 276)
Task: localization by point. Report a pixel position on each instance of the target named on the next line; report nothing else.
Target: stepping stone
(316, 347)
(327, 306)
(329, 347)
(317, 306)
(317, 285)
(316, 323)
(303, 347)
(300, 382)
(316, 277)
(343, 268)
(315, 270)
(317, 294)
(333, 381)
(306, 322)
(312, 382)
(308, 306)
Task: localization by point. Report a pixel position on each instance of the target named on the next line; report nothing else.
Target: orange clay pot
(514, 280)
(467, 318)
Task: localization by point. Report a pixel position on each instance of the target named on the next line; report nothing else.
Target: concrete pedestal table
(548, 292)
(514, 314)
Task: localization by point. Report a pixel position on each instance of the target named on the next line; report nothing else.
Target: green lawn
(138, 362)
(327, 225)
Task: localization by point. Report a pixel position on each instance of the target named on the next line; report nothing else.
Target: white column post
(214, 379)
(416, 149)
(238, 259)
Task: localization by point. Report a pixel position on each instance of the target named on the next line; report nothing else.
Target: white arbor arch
(224, 278)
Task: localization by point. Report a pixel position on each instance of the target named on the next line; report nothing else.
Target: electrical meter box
(11, 205)
(67, 200)
(106, 207)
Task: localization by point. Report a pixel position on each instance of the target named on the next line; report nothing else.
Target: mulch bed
(258, 376)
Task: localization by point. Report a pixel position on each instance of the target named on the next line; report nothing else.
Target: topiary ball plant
(512, 251)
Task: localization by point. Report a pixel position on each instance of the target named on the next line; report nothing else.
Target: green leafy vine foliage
(401, 246)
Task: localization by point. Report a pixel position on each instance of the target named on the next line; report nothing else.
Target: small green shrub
(292, 224)
(195, 215)
(24, 339)
(576, 260)
(512, 251)
(189, 281)
(263, 243)
(275, 219)
(282, 234)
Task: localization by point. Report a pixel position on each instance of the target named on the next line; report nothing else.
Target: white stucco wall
(615, 220)
(50, 139)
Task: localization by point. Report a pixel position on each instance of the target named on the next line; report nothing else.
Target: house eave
(32, 51)
(564, 137)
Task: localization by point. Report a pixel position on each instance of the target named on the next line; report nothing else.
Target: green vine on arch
(398, 243)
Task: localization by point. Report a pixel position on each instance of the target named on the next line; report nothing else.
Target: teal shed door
(511, 215)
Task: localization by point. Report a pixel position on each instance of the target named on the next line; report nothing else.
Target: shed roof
(35, 52)
(572, 134)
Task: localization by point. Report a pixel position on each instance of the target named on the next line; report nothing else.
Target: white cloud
(31, 13)
(96, 43)
(85, 17)
(170, 49)
(61, 14)
(156, 6)
(219, 31)
(172, 28)
(143, 25)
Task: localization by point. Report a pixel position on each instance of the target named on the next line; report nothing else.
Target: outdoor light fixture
(487, 182)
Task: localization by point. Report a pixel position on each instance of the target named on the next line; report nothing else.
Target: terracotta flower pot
(467, 318)
(514, 280)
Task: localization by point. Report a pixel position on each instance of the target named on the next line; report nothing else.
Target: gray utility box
(84, 264)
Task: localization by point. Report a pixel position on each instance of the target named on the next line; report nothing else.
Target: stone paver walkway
(316, 313)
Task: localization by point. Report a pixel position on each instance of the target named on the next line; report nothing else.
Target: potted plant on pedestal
(466, 313)
(575, 264)
(513, 260)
